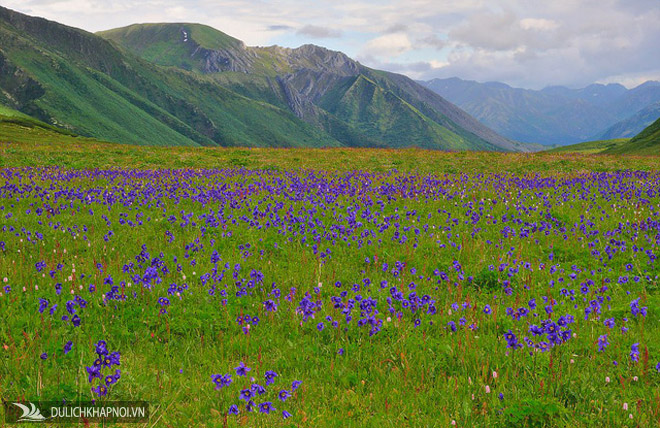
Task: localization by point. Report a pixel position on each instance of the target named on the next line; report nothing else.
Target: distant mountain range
(647, 142)
(189, 84)
(555, 115)
(635, 124)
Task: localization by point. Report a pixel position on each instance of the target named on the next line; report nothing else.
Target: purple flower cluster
(252, 391)
(247, 322)
(543, 264)
(105, 360)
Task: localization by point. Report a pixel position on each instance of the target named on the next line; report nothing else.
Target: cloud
(396, 28)
(279, 27)
(538, 24)
(523, 43)
(318, 32)
(433, 41)
(388, 45)
(414, 70)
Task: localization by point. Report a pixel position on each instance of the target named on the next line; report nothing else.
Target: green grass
(365, 109)
(84, 83)
(49, 148)
(592, 147)
(405, 376)
(646, 142)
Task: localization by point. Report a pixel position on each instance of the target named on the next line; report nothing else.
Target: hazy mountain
(634, 124)
(646, 142)
(553, 115)
(351, 102)
(187, 84)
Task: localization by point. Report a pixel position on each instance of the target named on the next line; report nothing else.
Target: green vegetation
(153, 233)
(591, 147)
(81, 82)
(355, 105)
(380, 114)
(16, 127)
(404, 287)
(51, 148)
(646, 142)
(170, 45)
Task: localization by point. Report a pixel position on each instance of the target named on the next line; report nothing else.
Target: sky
(524, 43)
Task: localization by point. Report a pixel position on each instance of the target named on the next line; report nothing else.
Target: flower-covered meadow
(238, 297)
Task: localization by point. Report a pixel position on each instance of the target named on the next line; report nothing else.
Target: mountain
(353, 103)
(17, 127)
(553, 115)
(634, 124)
(646, 142)
(591, 147)
(191, 85)
(81, 82)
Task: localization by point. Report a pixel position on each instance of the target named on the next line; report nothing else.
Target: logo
(56, 412)
(30, 414)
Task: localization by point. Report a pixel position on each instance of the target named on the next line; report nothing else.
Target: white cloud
(438, 64)
(318, 32)
(388, 45)
(538, 24)
(523, 43)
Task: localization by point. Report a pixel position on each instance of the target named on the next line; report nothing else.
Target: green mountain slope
(152, 42)
(554, 115)
(191, 85)
(356, 105)
(634, 124)
(591, 147)
(646, 142)
(83, 83)
(17, 127)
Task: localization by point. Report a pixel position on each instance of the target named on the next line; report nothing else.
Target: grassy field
(591, 147)
(402, 288)
(646, 142)
(46, 147)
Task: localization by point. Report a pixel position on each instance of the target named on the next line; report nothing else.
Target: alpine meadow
(197, 232)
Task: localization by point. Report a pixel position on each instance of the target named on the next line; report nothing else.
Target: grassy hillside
(356, 105)
(380, 114)
(84, 83)
(20, 130)
(24, 145)
(153, 42)
(646, 142)
(591, 147)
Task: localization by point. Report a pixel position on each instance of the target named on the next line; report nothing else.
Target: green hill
(191, 85)
(153, 42)
(646, 142)
(591, 147)
(81, 82)
(16, 127)
(354, 104)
